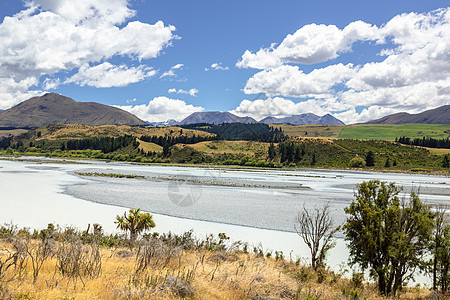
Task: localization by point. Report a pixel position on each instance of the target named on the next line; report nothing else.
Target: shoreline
(71, 160)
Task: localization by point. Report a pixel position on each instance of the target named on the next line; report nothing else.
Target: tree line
(105, 144)
(242, 131)
(425, 142)
(169, 141)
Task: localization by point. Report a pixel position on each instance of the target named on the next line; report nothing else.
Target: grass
(77, 131)
(9, 132)
(114, 175)
(166, 267)
(231, 147)
(390, 132)
(330, 131)
(147, 146)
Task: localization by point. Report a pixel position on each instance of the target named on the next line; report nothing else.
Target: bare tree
(316, 229)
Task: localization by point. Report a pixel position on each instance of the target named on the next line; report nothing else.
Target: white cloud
(162, 109)
(217, 67)
(52, 37)
(171, 72)
(108, 75)
(192, 92)
(414, 75)
(310, 44)
(292, 82)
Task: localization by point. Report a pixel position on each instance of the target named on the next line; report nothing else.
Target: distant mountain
(215, 117)
(170, 122)
(248, 120)
(53, 108)
(440, 115)
(304, 119)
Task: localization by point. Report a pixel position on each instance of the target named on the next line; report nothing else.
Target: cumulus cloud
(291, 81)
(217, 67)
(108, 75)
(52, 38)
(161, 109)
(192, 92)
(310, 44)
(171, 72)
(413, 76)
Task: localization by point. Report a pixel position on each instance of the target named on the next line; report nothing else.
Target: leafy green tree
(135, 222)
(387, 235)
(370, 159)
(357, 162)
(440, 248)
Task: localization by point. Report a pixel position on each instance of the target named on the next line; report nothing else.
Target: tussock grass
(168, 267)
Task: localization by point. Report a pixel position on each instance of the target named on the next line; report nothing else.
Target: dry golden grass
(329, 131)
(195, 275)
(75, 131)
(5, 133)
(233, 147)
(146, 146)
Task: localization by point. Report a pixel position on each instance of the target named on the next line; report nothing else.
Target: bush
(357, 162)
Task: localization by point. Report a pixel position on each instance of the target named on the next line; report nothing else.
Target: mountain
(248, 120)
(440, 115)
(215, 117)
(53, 108)
(170, 122)
(304, 119)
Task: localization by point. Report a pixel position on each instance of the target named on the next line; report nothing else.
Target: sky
(165, 59)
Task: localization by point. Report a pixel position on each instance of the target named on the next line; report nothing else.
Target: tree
(445, 161)
(440, 248)
(316, 229)
(272, 151)
(136, 222)
(357, 162)
(387, 164)
(387, 235)
(370, 159)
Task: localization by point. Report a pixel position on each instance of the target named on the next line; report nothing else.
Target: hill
(53, 108)
(214, 117)
(304, 119)
(440, 115)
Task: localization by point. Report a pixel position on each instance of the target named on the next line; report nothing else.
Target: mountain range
(217, 117)
(304, 119)
(440, 115)
(53, 108)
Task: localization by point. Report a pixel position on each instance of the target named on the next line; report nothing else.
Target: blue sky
(358, 60)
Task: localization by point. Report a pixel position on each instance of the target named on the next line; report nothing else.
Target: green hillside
(390, 132)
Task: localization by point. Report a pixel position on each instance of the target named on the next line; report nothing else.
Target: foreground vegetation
(65, 263)
(391, 238)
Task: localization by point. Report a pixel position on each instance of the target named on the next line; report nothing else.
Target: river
(256, 206)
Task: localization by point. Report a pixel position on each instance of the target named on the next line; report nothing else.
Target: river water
(257, 206)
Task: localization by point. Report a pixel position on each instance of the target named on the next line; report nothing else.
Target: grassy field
(368, 132)
(77, 131)
(79, 266)
(331, 131)
(146, 146)
(232, 147)
(390, 132)
(5, 133)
